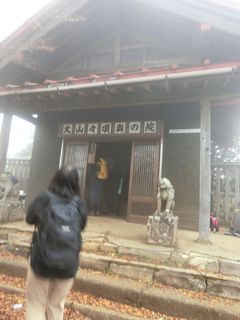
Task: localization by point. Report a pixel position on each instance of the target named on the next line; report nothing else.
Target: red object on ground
(214, 223)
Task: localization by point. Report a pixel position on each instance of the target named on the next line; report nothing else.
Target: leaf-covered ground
(12, 308)
(7, 301)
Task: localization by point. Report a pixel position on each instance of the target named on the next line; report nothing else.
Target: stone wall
(45, 157)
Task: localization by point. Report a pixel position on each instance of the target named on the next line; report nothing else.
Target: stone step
(145, 253)
(93, 312)
(164, 300)
(153, 273)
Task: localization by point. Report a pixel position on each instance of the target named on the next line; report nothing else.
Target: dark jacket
(34, 212)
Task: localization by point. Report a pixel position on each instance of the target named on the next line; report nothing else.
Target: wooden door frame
(157, 173)
(66, 145)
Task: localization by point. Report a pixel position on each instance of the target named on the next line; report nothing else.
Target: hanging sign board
(146, 128)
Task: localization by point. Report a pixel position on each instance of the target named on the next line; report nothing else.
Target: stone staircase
(134, 276)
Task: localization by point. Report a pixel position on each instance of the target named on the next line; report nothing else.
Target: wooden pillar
(4, 139)
(160, 159)
(226, 197)
(205, 172)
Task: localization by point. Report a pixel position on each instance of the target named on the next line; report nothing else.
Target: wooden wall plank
(227, 189)
(218, 190)
(236, 200)
(4, 139)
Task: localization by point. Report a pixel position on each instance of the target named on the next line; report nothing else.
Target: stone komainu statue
(162, 225)
(165, 198)
(8, 186)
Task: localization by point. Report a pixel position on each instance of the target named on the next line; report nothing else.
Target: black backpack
(57, 238)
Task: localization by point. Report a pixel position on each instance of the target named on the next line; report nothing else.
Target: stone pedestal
(11, 211)
(162, 231)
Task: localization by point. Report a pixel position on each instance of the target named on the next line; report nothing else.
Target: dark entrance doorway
(109, 195)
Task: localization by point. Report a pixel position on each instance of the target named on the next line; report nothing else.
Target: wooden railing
(225, 196)
(19, 168)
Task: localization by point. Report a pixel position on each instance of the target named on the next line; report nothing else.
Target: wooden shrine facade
(84, 71)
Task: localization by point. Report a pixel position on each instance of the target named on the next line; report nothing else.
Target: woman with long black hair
(59, 216)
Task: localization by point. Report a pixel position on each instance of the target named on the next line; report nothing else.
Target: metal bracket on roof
(165, 84)
(229, 77)
(105, 86)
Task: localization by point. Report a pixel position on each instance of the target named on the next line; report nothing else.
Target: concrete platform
(134, 235)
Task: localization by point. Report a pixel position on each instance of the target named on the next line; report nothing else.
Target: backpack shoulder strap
(74, 201)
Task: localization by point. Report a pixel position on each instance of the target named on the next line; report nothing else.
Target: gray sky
(13, 14)
(22, 133)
